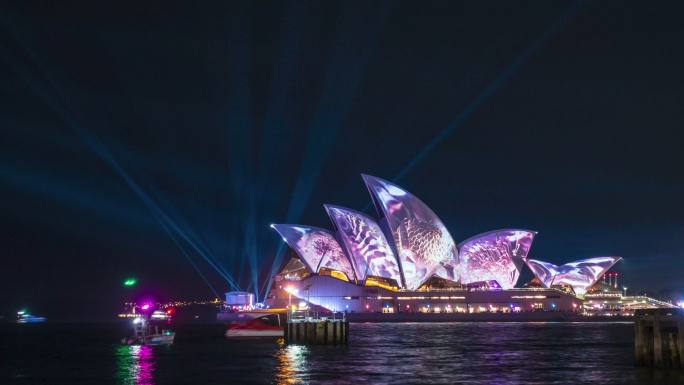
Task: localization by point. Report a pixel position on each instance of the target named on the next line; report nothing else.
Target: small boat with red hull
(269, 325)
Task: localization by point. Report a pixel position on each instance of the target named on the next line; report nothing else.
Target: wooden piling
(657, 342)
(680, 340)
(317, 331)
(639, 349)
(659, 337)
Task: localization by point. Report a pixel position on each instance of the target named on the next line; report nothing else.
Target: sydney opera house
(406, 261)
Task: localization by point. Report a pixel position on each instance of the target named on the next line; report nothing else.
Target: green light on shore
(130, 282)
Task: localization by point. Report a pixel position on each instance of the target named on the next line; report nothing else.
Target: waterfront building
(607, 299)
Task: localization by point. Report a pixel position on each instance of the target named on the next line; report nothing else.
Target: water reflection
(135, 365)
(292, 364)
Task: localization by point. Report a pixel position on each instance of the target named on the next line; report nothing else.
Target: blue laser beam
(343, 76)
(59, 105)
(492, 87)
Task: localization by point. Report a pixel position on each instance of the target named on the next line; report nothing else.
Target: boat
(164, 338)
(23, 317)
(148, 332)
(269, 325)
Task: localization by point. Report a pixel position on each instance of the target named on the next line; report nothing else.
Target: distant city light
(145, 306)
(680, 304)
(130, 282)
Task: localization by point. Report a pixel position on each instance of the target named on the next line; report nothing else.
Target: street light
(290, 290)
(624, 289)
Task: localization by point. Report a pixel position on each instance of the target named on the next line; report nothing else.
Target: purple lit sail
(581, 275)
(316, 247)
(495, 255)
(420, 238)
(365, 243)
(544, 271)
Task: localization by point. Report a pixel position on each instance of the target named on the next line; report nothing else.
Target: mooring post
(639, 341)
(286, 334)
(346, 332)
(680, 340)
(317, 332)
(329, 332)
(657, 342)
(336, 332)
(320, 332)
(673, 352)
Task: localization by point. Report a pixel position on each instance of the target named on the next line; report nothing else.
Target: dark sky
(125, 128)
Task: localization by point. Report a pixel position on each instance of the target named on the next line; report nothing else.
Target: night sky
(141, 139)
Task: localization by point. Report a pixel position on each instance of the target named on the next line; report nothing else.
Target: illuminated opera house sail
(580, 275)
(409, 249)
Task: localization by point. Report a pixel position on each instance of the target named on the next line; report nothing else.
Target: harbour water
(408, 353)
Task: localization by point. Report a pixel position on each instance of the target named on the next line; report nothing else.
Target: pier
(317, 331)
(659, 338)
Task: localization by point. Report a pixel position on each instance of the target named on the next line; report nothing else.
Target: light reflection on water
(135, 365)
(291, 363)
(410, 353)
(473, 353)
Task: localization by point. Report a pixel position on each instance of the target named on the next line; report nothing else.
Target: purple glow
(544, 271)
(317, 248)
(495, 255)
(145, 306)
(420, 238)
(145, 364)
(579, 274)
(365, 243)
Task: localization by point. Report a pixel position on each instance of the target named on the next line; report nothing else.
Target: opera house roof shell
(410, 245)
(579, 274)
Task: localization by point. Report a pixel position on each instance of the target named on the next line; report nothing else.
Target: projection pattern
(496, 255)
(365, 243)
(420, 238)
(316, 247)
(580, 275)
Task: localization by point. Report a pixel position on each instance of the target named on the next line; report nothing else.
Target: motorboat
(269, 325)
(148, 332)
(23, 317)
